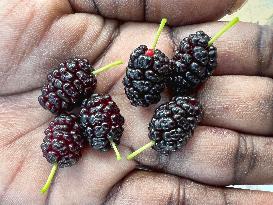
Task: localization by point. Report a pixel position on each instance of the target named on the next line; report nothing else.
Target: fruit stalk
(107, 67)
(141, 149)
(223, 30)
(49, 179)
(114, 146)
(160, 29)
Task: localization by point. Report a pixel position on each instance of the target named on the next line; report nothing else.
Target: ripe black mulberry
(63, 141)
(145, 77)
(67, 85)
(101, 121)
(173, 124)
(193, 63)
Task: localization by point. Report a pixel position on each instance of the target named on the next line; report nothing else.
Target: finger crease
(145, 8)
(225, 197)
(96, 7)
(264, 42)
(12, 179)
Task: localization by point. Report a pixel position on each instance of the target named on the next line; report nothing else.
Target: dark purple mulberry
(63, 141)
(101, 121)
(193, 63)
(173, 123)
(145, 76)
(67, 85)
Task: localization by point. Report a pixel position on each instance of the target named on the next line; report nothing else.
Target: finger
(177, 12)
(246, 49)
(153, 188)
(214, 156)
(45, 35)
(243, 103)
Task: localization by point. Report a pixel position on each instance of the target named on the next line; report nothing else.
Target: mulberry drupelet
(101, 121)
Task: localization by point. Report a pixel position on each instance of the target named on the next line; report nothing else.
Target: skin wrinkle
(245, 159)
(25, 53)
(84, 31)
(13, 177)
(115, 34)
(253, 156)
(180, 198)
(163, 162)
(265, 36)
(12, 70)
(172, 37)
(225, 198)
(22, 135)
(14, 6)
(145, 9)
(96, 7)
(239, 156)
(114, 191)
(21, 164)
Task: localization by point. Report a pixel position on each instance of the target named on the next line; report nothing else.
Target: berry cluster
(194, 61)
(100, 123)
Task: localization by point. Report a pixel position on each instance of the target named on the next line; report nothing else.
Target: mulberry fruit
(173, 124)
(63, 141)
(67, 85)
(101, 121)
(145, 76)
(193, 63)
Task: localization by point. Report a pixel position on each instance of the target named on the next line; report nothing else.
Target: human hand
(232, 146)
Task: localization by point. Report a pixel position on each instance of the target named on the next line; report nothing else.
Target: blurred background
(255, 11)
(261, 12)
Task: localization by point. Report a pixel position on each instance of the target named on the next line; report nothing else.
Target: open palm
(233, 145)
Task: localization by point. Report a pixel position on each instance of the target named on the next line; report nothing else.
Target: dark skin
(233, 145)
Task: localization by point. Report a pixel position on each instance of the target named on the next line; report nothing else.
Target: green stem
(223, 30)
(107, 67)
(160, 29)
(49, 179)
(141, 149)
(118, 156)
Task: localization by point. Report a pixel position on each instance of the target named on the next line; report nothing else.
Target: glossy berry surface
(193, 63)
(145, 76)
(67, 85)
(173, 123)
(101, 121)
(63, 141)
